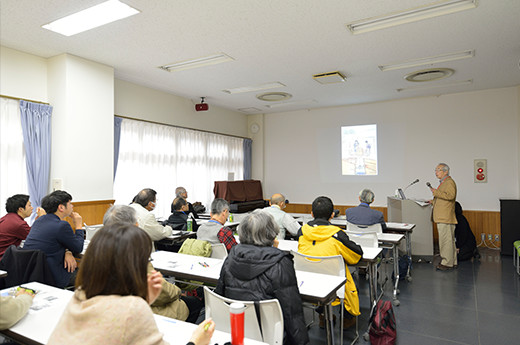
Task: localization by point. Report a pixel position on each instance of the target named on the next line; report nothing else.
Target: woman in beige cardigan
(111, 304)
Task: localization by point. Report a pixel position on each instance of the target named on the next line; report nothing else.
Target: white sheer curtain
(13, 170)
(163, 157)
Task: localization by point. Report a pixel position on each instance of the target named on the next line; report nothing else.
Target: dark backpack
(382, 324)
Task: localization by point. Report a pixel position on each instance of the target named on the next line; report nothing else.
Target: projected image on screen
(359, 150)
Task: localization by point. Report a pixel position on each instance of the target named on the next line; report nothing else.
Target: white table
(188, 267)
(3, 274)
(37, 326)
(50, 302)
(393, 240)
(179, 332)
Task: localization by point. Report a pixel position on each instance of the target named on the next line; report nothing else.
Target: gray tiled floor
(477, 304)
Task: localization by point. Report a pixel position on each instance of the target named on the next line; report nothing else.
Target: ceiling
(279, 41)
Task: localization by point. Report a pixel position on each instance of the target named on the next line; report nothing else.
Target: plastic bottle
(190, 222)
(236, 314)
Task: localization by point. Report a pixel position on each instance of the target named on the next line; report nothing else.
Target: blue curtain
(36, 128)
(248, 143)
(117, 140)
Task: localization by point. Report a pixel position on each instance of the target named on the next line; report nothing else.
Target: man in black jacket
(255, 270)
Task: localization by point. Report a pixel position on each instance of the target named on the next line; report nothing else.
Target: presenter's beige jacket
(444, 202)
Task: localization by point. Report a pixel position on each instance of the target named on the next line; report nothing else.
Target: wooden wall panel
(92, 212)
(487, 222)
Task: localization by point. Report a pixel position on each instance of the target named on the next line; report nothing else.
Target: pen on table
(191, 267)
(200, 263)
(205, 263)
(301, 284)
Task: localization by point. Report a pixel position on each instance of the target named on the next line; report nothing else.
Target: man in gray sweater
(214, 230)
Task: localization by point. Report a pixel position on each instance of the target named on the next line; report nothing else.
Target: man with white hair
(181, 192)
(444, 216)
(285, 221)
(363, 214)
(214, 230)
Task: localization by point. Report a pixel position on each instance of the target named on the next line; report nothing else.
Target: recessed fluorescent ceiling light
(456, 83)
(428, 60)
(254, 88)
(432, 10)
(285, 104)
(196, 63)
(92, 17)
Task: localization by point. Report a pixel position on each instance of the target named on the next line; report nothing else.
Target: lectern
(409, 211)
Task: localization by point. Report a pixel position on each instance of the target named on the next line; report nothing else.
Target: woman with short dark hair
(111, 304)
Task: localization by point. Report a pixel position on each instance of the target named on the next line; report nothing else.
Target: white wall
(23, 75)
(302, 153)
(140, 102)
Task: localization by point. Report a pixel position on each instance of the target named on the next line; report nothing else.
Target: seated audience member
(54, 236)
(111, 306)
(170, 302)
(12, 309)
(178, 220)
(363, 214)
(464, 238)
(255, 271)
(319, 238)
(285, 221)
(214, 230)
(13, 228)
(143, 204)
(180, 192)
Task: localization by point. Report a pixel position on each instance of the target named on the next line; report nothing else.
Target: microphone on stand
(411, 184)
(429, 184)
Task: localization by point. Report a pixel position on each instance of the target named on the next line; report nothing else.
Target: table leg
(395, 251)
(329, 319)
(409, 253)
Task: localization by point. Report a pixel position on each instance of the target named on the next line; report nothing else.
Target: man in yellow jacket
(320, 238)
(444, 216)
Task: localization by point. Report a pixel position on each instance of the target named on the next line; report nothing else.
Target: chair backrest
(332, 265)
(217, 307)
(377, 228)
(24, 266)
(364, 238)
(218, 251)
(91, 230)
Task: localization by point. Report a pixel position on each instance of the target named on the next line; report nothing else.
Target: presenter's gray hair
(218, 206)
(258, 228)
(367, 196)
(121, 214)
(444, 167)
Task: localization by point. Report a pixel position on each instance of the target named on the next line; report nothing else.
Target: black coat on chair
(24, 266)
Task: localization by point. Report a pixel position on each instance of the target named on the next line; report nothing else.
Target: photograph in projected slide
(359, 150)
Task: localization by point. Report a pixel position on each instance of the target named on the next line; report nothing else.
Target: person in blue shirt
(54, 236)
(363, 214)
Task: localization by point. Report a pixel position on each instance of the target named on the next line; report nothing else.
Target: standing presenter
(444, 216)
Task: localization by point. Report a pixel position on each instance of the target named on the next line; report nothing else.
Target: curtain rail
(23, 99)
(193, 129)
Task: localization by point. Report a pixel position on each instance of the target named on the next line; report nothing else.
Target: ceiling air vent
(329, 78)
(429, 74)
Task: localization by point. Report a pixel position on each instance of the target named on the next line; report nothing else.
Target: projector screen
(359, 150)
